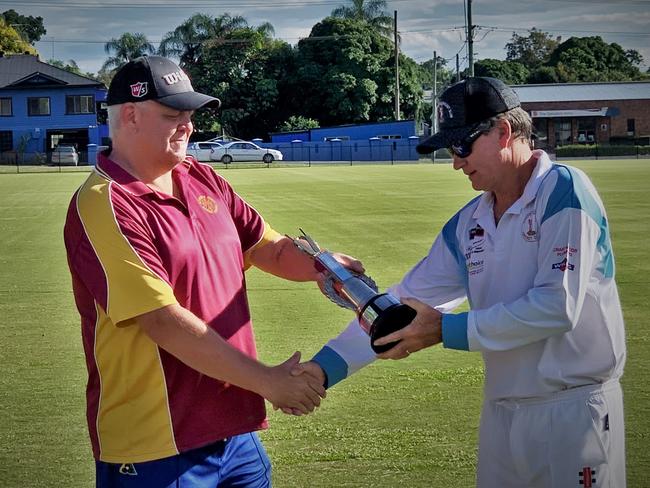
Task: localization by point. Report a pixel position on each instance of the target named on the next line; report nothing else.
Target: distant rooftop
(576, 92)
(16, 68)
(572, 92)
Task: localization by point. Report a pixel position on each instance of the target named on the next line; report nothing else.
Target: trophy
(379, 314)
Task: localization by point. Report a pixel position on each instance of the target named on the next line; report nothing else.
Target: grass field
(410, 423)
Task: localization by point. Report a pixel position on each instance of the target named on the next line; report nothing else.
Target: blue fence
(335, 150)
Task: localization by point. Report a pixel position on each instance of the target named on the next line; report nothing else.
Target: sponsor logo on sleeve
(140, 89)
(563, 265)
(529, 227)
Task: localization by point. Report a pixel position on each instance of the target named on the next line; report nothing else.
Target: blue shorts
(238, 461)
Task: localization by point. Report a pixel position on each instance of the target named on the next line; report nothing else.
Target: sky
(78, 29)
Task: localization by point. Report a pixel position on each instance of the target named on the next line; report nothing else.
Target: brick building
(575, 113)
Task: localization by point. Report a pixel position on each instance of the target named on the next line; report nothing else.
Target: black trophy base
(389, 320)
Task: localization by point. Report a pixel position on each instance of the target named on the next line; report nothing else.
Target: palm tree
(371, 11)
(125, 48)
(187, 40)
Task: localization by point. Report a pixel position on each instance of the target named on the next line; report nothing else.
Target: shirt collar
(113, 171)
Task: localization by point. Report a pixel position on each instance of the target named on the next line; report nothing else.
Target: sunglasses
(463, 147)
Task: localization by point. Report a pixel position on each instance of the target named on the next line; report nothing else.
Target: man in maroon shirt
(157, 247)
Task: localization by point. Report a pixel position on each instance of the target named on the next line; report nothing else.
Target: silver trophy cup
(379, 314)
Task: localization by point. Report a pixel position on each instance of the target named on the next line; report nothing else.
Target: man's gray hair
(113, 118)
(521, 123)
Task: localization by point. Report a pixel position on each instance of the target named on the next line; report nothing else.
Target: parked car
(65, 156)
(201, 150)
(244, 151)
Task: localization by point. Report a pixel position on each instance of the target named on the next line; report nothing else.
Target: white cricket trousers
(572, 438)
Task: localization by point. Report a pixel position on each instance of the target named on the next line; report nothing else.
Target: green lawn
(410, 423)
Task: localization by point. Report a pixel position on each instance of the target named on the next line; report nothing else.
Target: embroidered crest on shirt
(529, 227)
(208, 203)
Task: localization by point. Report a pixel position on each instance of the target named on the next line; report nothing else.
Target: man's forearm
(185, 336)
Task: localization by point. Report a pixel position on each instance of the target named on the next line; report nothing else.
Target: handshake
(301, 386)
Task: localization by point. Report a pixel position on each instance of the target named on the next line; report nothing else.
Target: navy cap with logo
(464, 105)
(156, 78)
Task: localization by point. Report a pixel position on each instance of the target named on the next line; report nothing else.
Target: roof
(575, 92)
(18, 68)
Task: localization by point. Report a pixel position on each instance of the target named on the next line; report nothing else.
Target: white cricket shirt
(545, 311)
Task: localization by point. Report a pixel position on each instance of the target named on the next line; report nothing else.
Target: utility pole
(396, 67)
(457, 67)
(434, 95)
(470, 38)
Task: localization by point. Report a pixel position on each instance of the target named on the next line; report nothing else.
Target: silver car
(65, 156)
(244, 151)
(201, 150)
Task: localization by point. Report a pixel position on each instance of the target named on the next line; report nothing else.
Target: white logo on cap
(140, 89)
(175, 77)
(442, 106)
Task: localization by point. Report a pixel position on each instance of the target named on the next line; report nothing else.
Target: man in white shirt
(533, 256)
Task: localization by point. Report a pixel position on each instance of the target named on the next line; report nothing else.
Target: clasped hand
(295, 394)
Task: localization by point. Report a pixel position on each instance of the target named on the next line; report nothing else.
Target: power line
(174, 5)
(520, 29)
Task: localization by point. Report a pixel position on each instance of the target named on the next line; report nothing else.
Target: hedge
(594, 150)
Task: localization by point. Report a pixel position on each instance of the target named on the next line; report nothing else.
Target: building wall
(402, 129)
(36, 127)
(614, 125)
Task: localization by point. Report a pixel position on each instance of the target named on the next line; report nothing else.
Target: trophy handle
(392, 319)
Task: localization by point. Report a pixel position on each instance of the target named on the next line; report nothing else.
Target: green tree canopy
(11, 42)
(444, 75)
(592, 59)
(125, 48)
(31, 29)
(510, 72)
(187, 40)
(532, 50)
(371, 11)
(345, 74)
(298, 122)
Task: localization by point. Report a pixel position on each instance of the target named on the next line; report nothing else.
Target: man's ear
(505, 133)
(129, 115)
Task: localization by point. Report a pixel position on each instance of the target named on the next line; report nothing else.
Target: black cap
(465, 104)
(156, 78)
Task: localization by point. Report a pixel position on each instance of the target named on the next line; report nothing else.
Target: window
(392, 136)
(562, 132)
(630, 127)
(5, 107)
(79, 104)
(38, 106)
(587, 130)
(540, 127)
(6, 140)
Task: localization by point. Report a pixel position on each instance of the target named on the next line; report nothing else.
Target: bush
(594, 150)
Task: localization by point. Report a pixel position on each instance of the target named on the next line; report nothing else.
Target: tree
(533, 50)
(510, 72)
(187, 40)
(371, 11)
(345, 75)
(581, 59)
(298, 122)
(31, 29)
(11, 42)
(444, 75)
(125, 48)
